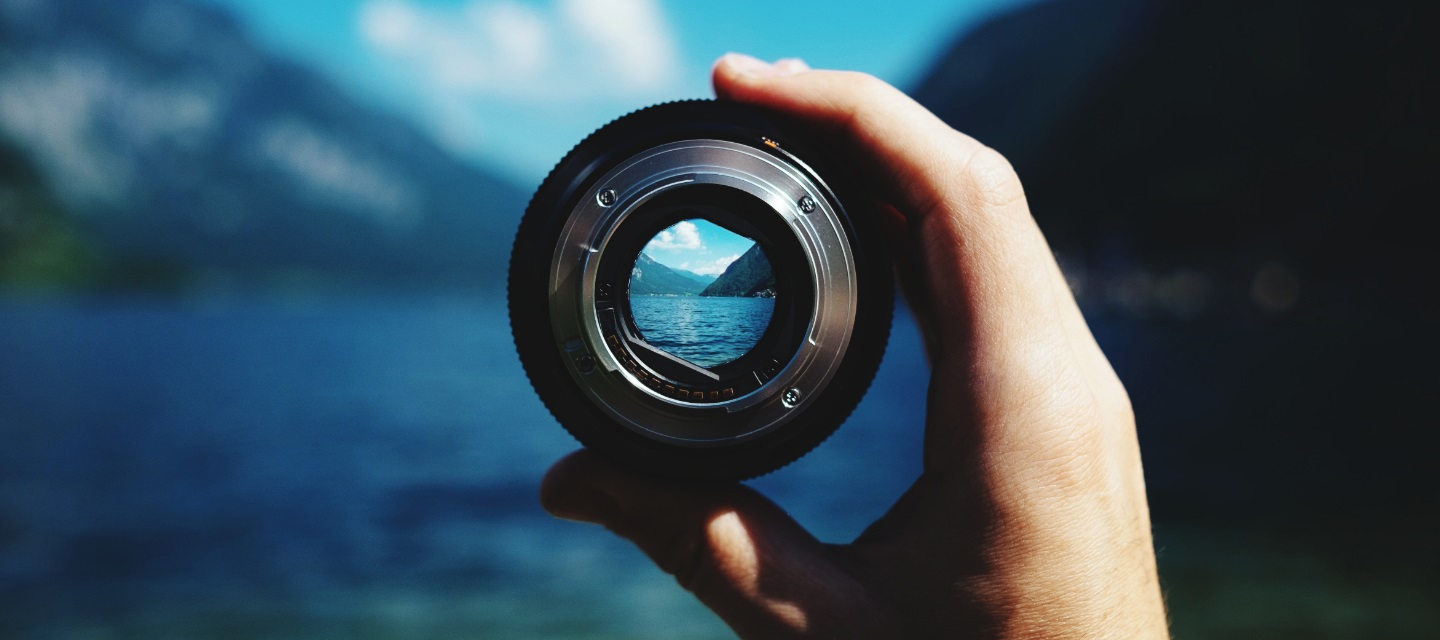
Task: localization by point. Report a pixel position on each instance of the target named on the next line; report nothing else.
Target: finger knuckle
(692, 577)
(991, 178)
(691, 564)
(869, 100)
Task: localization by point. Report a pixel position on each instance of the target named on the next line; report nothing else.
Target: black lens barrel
(741, 167)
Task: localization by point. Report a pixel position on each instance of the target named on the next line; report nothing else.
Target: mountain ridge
(749, 275)
(168, 137)
(650, 278)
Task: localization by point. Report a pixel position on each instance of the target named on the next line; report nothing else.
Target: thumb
(736, 551)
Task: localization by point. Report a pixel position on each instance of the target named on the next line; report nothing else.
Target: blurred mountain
(1229, 189)
(38, 244)
(172, 144)
(747, 276)
(650, 278)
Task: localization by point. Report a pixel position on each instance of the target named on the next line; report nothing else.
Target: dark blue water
(706, 331)
(368, 468)
(338, 469)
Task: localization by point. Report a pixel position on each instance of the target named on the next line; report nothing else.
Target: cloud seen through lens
(697, 246)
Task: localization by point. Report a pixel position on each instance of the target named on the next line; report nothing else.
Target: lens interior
(698, 353)
(702, 292)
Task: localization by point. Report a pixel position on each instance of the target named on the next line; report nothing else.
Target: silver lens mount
(613, 379)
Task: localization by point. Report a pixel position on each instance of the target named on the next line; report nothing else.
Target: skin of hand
(1029, 518)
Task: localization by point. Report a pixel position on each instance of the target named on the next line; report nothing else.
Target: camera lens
(690, 295)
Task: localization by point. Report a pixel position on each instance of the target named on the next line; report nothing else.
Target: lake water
(369, 467)
(707, 331)
(348, 468)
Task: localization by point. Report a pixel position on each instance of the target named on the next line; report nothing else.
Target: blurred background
(256, 378)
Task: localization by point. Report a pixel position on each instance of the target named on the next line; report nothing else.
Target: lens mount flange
(746, 170)
(611, 377)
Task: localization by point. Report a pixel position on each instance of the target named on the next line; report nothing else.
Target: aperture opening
(702, 292)
(659, 323)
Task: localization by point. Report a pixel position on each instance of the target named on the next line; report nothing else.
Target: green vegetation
(748, 277)
(44, 248)
(39, 247)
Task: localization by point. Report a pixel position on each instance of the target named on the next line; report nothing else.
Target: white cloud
(630, 35)
(518, 32)
(682, 236)
(714, 267)
(502, 49)
(390, 25)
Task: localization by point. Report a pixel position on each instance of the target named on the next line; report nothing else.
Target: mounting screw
(791, 397)
(604, 291)
(807, 204)
(586, 363)
(606, 197)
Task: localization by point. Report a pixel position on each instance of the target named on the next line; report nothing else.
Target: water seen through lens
(707, 331)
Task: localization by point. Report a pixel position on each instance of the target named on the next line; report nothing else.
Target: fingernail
(757, 68)
(580, 502)
(791, 66)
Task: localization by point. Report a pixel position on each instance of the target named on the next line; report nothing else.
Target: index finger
(986, 266)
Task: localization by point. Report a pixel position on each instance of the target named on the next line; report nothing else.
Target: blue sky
(697, 245)
(512, 85)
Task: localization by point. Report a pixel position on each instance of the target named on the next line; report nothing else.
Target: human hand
(1029, 518)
